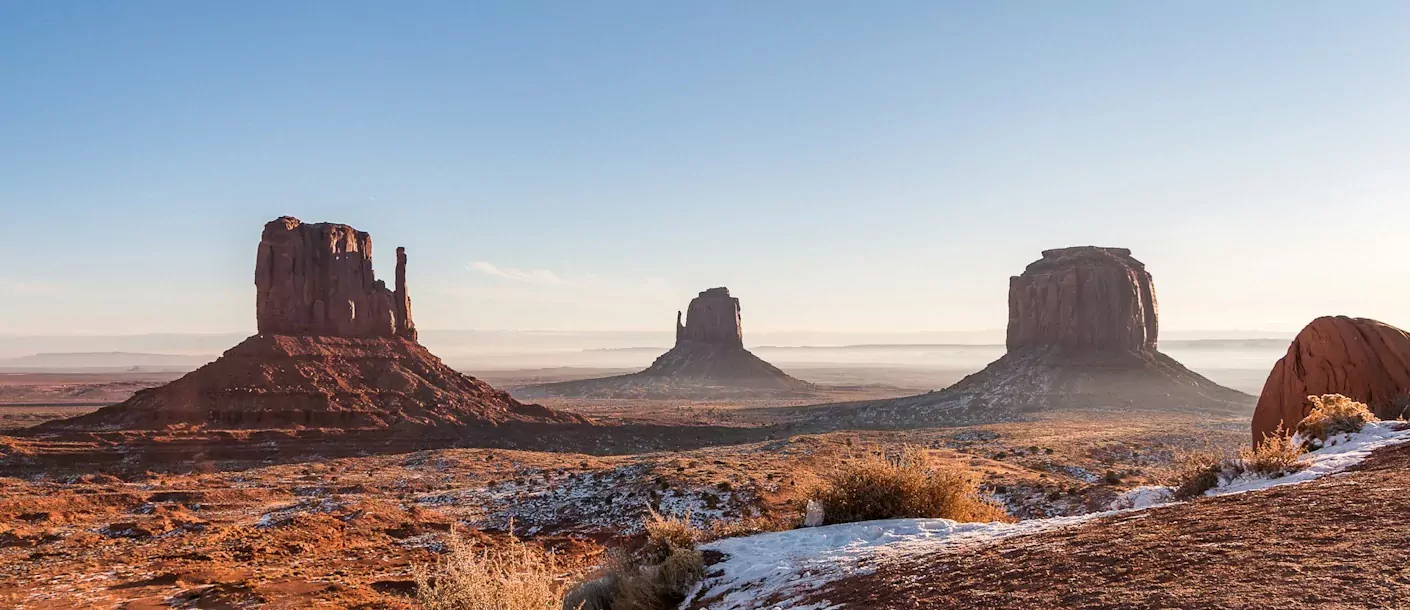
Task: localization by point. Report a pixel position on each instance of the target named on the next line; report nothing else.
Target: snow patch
(777, 570)
(781, 567)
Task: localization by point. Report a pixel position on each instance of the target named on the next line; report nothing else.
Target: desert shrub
(908, 485)
(518, 577)
(1196, 473)
(1332, 414)
(657, 576)
(1276, 456)
(1201, 471)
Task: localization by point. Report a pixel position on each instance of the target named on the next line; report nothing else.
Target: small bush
(1332, 414)
(657, 576)
(904, 486)
(665, 534)
(1276, 456)
(518, 577)
(1196, 473)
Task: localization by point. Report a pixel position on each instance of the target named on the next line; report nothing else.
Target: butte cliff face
(1084, 298)
(336, 349)
(1362, 359)
(712, 317)
(317, 279)
(1081, 334)
(708, 359)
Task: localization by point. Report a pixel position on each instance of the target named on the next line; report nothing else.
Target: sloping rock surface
(1362, 359)
(282, 381)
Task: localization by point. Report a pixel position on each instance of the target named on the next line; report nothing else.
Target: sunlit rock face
(317, 279)
(336, 349)
(1365, 360)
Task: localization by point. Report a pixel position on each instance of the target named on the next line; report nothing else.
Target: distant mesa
(708, 359)
(1362, 359)
(1082, 332)
(336, 349)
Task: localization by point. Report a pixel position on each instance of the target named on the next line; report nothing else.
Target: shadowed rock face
(1365, 360)
(712, 317)
(1083, 298)
(317, 279)
(708, 360)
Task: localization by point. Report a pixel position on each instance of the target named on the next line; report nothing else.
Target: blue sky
(590, 166)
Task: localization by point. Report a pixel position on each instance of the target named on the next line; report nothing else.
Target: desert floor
(347, 532)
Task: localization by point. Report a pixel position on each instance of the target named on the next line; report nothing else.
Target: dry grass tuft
(657, 576)
(518, 577)
(1276, 456)
(1200, 471)
(748, 526)
(1196, 473)
(1333, 414)
(909, 485)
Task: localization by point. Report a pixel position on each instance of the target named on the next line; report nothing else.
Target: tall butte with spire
(335, 349)
(1082, 332)
(708, 359)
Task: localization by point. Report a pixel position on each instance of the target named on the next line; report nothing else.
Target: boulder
(1365, 360)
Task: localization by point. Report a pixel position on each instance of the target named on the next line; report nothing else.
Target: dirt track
(1339, 542)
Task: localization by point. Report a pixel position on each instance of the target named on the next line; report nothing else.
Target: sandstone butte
(1082, 332)
(1362, 359)
(708, 355)
(336, 349)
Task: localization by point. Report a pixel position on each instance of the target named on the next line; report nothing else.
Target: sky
(572, 166)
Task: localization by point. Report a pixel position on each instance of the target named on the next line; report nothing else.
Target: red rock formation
(317, 279)
(336, 349)
(1082, 334)
(1083, 298)
(708, 360)
(402, 305)
(301, 381)
(713, 317)
(1362, 359)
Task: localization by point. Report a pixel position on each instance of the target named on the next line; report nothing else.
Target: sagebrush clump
(908, 485)
(1276, 456)
(1196, 473)
(1332, 414)
(516, 577)
(657, 576)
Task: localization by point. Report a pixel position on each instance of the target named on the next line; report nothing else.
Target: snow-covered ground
(775, 570)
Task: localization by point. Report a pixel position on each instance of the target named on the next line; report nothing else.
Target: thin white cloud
(529, 276)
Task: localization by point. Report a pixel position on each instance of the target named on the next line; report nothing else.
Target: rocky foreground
(1336, 542)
